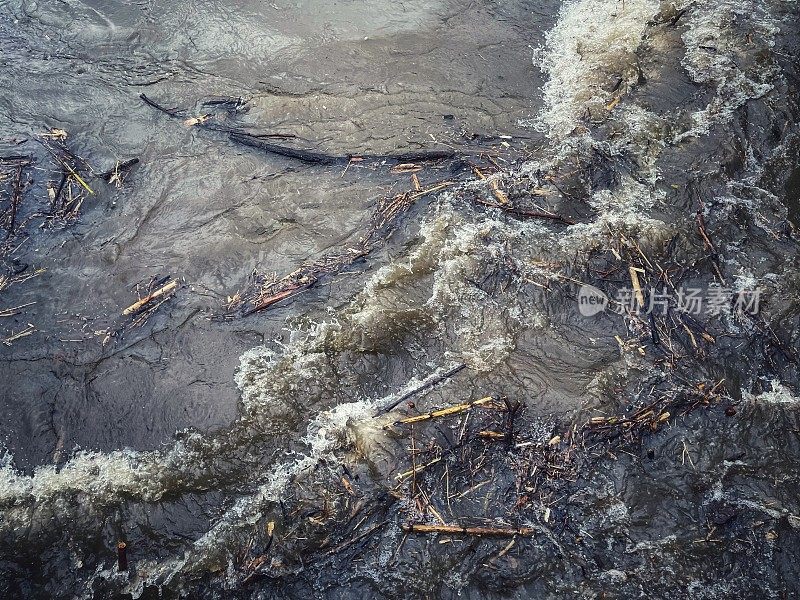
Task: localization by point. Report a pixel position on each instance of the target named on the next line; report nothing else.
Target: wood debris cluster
(29, 200)
(477, 469)
(268, 290)
(456, 482)
(389, 211)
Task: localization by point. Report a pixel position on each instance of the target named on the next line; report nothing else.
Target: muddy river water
(599, 148)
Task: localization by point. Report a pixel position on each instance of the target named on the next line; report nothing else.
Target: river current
(649, 149)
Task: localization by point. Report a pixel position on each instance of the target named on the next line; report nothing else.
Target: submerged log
(304, 155)
(322, 158)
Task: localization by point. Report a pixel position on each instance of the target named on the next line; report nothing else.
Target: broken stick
(166, 289)
(459, 530)
(323, 158)
(428, 383)
(452, 410)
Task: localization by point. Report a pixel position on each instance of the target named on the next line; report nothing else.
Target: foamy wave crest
(589, 53)
(778, 394)
(107, 478)
(716, 55)
(463, 323)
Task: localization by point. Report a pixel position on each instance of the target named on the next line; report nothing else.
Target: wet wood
(382, 224)
(492, 435)
(416, 469)
(302, 154)
(452, 410)
(425, 386)
(277, 297)
(460, 530)
(172, 112)
(16, 200)
(306, 156)
(120, 170)
(162, 291)
(524, 213)
(323, 158)
(122, 556)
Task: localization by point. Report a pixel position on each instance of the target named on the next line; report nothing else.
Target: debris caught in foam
(593, 42)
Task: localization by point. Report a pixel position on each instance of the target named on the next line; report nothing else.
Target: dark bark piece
(121, 168)
(322, 158)
(308, 156)
(304, 155)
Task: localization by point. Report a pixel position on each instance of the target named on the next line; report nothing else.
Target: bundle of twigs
(383, 222)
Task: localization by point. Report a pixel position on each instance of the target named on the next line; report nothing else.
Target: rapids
(192, 437)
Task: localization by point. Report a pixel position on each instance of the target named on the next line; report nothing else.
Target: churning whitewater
(311, 398)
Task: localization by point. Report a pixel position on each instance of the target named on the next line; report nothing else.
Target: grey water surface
(187, 436)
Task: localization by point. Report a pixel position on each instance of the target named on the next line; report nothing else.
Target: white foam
(779, 395)
(714, 41)
(593, 42)
(621, 209)
(592, 50)
(102, 476)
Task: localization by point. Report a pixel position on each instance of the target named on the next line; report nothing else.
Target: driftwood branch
(323, 158)
(119, 170)
(426, 385)
(172, 112)
(383, 222)
(305, 155)
(524, 213)
(459, 530)
(445, 412)
(162, 291)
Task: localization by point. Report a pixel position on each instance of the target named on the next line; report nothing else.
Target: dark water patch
(793, 197)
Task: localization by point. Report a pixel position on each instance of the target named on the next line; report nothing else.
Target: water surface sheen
(194, 438)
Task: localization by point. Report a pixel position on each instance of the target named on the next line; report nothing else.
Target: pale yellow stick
(447, 411)
(456, 529)
(158, 293)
